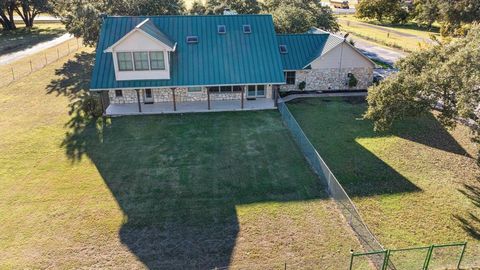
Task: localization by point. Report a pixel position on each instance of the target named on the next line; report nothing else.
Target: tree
(427, 12)
(446, 74)
(299, 15)
(457, 15)
(240, 6)
(197, 8)
(83, 18)
(7, 8)
(29, 9)
(392, 10)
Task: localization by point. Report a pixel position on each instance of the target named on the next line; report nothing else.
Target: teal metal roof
(231, 58)
(304, 48)
(148, 27)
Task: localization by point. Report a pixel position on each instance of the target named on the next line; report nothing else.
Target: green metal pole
(461, 255)
(385, 260)
(351, 259)
(429, 256)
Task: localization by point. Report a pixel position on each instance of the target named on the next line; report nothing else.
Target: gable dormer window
(141, 60)
(125, 62)
(221, 29)
(157, 61)
(192, 39)
(283, 49)
(247, 29)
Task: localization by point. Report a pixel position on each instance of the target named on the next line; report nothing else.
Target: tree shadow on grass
(179, 178)
(335, 129)
(24, 38)
(471, 222)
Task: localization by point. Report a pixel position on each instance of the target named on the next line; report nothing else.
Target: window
(124, 61)
(260, 90)
(141, 60)
(194, 89)
(290, 77)
(226, 89)
(222, 29)
(157, 61)
(214, 89)
(192, 39)
(283, 49)
(247, 29)
(118, 93)
(237, 88)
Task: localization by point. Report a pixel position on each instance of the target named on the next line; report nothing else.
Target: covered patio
(190, 107)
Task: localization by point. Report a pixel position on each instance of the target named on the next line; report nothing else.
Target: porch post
(243, 93)
(138, 99)
(174, 102)
(208, 98)
(276, 94)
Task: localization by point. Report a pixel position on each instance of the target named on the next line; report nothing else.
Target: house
(323, 61)
(162, 64)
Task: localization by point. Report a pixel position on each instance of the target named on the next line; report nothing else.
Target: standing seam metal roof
(304, 48)
(231, 58)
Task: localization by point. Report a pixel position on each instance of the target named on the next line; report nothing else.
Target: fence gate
(447, 256)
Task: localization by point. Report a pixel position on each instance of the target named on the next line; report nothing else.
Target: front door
(251, 92)
(148, 96)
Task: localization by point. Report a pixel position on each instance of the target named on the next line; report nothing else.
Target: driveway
(11, 57)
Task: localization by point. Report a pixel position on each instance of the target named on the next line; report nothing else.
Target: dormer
(142, 54)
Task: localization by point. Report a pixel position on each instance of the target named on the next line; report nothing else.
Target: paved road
(9, 58)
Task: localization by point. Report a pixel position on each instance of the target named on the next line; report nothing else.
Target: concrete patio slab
(190, 107)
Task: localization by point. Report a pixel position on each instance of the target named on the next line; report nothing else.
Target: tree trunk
(6, 16)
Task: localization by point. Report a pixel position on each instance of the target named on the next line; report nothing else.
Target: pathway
(11, 57)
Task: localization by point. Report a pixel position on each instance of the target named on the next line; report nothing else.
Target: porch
(190, 107)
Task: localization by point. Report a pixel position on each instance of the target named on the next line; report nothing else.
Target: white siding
(136, 42)
(338, 58)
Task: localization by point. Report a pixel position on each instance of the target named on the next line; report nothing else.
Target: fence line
(25, 66)
(348, 209)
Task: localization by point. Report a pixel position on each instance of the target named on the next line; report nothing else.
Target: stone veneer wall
(181, 95)
(331, 79)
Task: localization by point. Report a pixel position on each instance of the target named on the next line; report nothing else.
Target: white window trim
(116, 64)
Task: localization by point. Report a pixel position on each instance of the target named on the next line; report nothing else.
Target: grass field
(23, 38)
(408, 37)
(415, 185)
(178, 191)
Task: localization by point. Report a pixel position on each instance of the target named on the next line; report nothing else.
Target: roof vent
(192, 39)
(247, 29)
(221, 29)
(283, 49)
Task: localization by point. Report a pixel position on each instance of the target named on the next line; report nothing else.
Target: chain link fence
(348, 209)
(448, 256)
(24, 66)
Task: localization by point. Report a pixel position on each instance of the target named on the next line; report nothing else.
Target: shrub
(302, 85)
(91, 106)
(352, 81)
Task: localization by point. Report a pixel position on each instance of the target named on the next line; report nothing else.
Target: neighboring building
(164, 64)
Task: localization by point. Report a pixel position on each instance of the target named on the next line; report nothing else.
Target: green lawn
(24, 38)
(171, 191)
(415, 185)
(408, 37)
